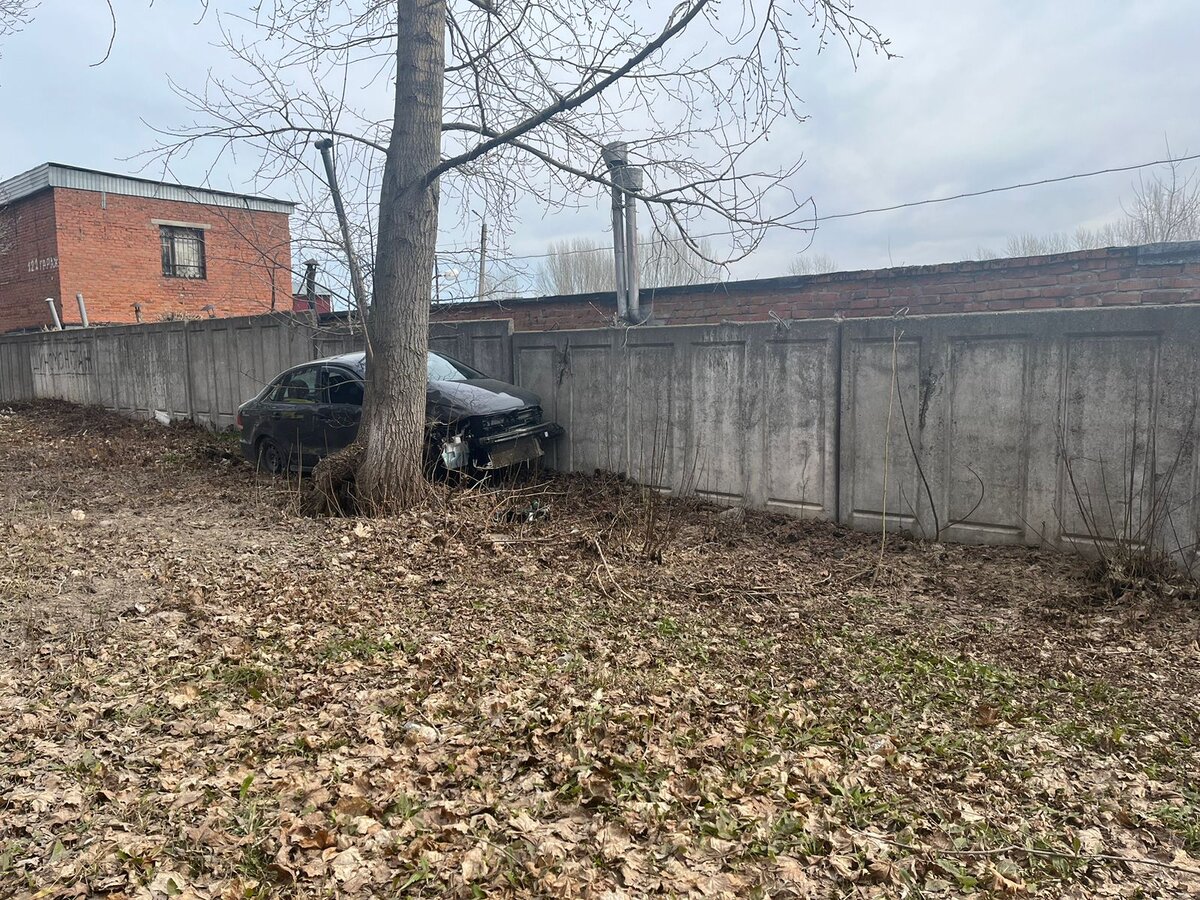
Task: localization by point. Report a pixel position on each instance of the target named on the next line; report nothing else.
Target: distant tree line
(812, 264)
(584, 265)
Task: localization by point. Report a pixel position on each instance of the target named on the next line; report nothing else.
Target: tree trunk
(392, 473)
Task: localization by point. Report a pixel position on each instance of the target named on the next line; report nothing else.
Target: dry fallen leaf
(474, 865)
(792, 871)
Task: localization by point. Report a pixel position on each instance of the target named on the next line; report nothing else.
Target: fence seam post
(94, 368)
(187, 370)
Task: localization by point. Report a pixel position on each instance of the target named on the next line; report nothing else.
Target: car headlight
(456, 453)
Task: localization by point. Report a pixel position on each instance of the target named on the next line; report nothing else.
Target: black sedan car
(312, 410)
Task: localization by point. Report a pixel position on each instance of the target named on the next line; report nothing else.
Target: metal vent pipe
(626, 181)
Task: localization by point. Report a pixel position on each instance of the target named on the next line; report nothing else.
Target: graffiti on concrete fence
(62, 358)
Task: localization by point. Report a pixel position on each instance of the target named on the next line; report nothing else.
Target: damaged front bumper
(501, 449)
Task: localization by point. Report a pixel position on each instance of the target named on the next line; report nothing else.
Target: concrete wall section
(16, 369)
(1057, 426)
(482, 345)
(202, 369)
(1023, 427)
(737, 414)
(234, 359)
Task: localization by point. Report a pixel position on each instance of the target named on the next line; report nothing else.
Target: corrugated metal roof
(25, 184)
(58, 175)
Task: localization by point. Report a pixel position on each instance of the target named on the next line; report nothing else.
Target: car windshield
(443, 368)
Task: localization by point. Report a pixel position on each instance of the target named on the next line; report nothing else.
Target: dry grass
(204, 695)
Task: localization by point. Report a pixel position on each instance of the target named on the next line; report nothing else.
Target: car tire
(270, 457)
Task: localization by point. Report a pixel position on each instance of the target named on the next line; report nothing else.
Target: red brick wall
(109, 250)
(28, 262)
(1111, 277)
(300, 303)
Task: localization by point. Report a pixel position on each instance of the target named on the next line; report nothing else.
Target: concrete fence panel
(16, 369)
(1056, 427)
(62, 365)
(739, 414)
(482, 345)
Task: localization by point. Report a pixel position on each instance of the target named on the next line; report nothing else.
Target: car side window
(299, 386)
(342, 388)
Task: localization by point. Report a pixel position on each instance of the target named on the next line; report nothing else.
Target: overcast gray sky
(984, 93)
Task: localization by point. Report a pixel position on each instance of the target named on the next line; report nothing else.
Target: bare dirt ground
(204, 695)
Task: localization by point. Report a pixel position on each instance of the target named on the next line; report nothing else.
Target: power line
(865, 212)
(1010, 187)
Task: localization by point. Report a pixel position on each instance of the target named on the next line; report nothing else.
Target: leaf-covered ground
(202, 695)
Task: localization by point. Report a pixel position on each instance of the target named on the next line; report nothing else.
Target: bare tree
(487, 101)
(14, 14)
(582, 265)
(1165, 207)
(576, 266)
(1110, 234)
(812, 264)
(1038, 244)
(666, 260)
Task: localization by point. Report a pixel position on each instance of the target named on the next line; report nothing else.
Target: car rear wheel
(270, 458)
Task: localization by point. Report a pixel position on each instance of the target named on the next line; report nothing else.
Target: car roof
(356, 360)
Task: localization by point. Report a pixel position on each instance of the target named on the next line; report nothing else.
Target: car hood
(478, 397)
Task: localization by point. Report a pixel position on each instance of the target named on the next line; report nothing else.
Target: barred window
(182, 251)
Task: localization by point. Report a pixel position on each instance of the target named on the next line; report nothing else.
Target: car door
(291, 411)
(340, 411)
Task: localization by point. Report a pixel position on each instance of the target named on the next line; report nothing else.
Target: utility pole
(356, 282)
(482, 285)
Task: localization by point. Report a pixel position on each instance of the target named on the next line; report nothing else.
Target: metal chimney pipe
(632, 179)
(616, 158)
(618, 226)
(82, 309)
(54, 313)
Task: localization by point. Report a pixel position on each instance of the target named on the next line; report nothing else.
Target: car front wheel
(270, 459)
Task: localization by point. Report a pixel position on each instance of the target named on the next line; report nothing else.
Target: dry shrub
(1125, 573)
(1129, 515)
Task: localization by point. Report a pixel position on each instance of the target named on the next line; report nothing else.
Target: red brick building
(136, 249)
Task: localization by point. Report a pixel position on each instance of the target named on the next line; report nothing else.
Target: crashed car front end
(491, 442)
